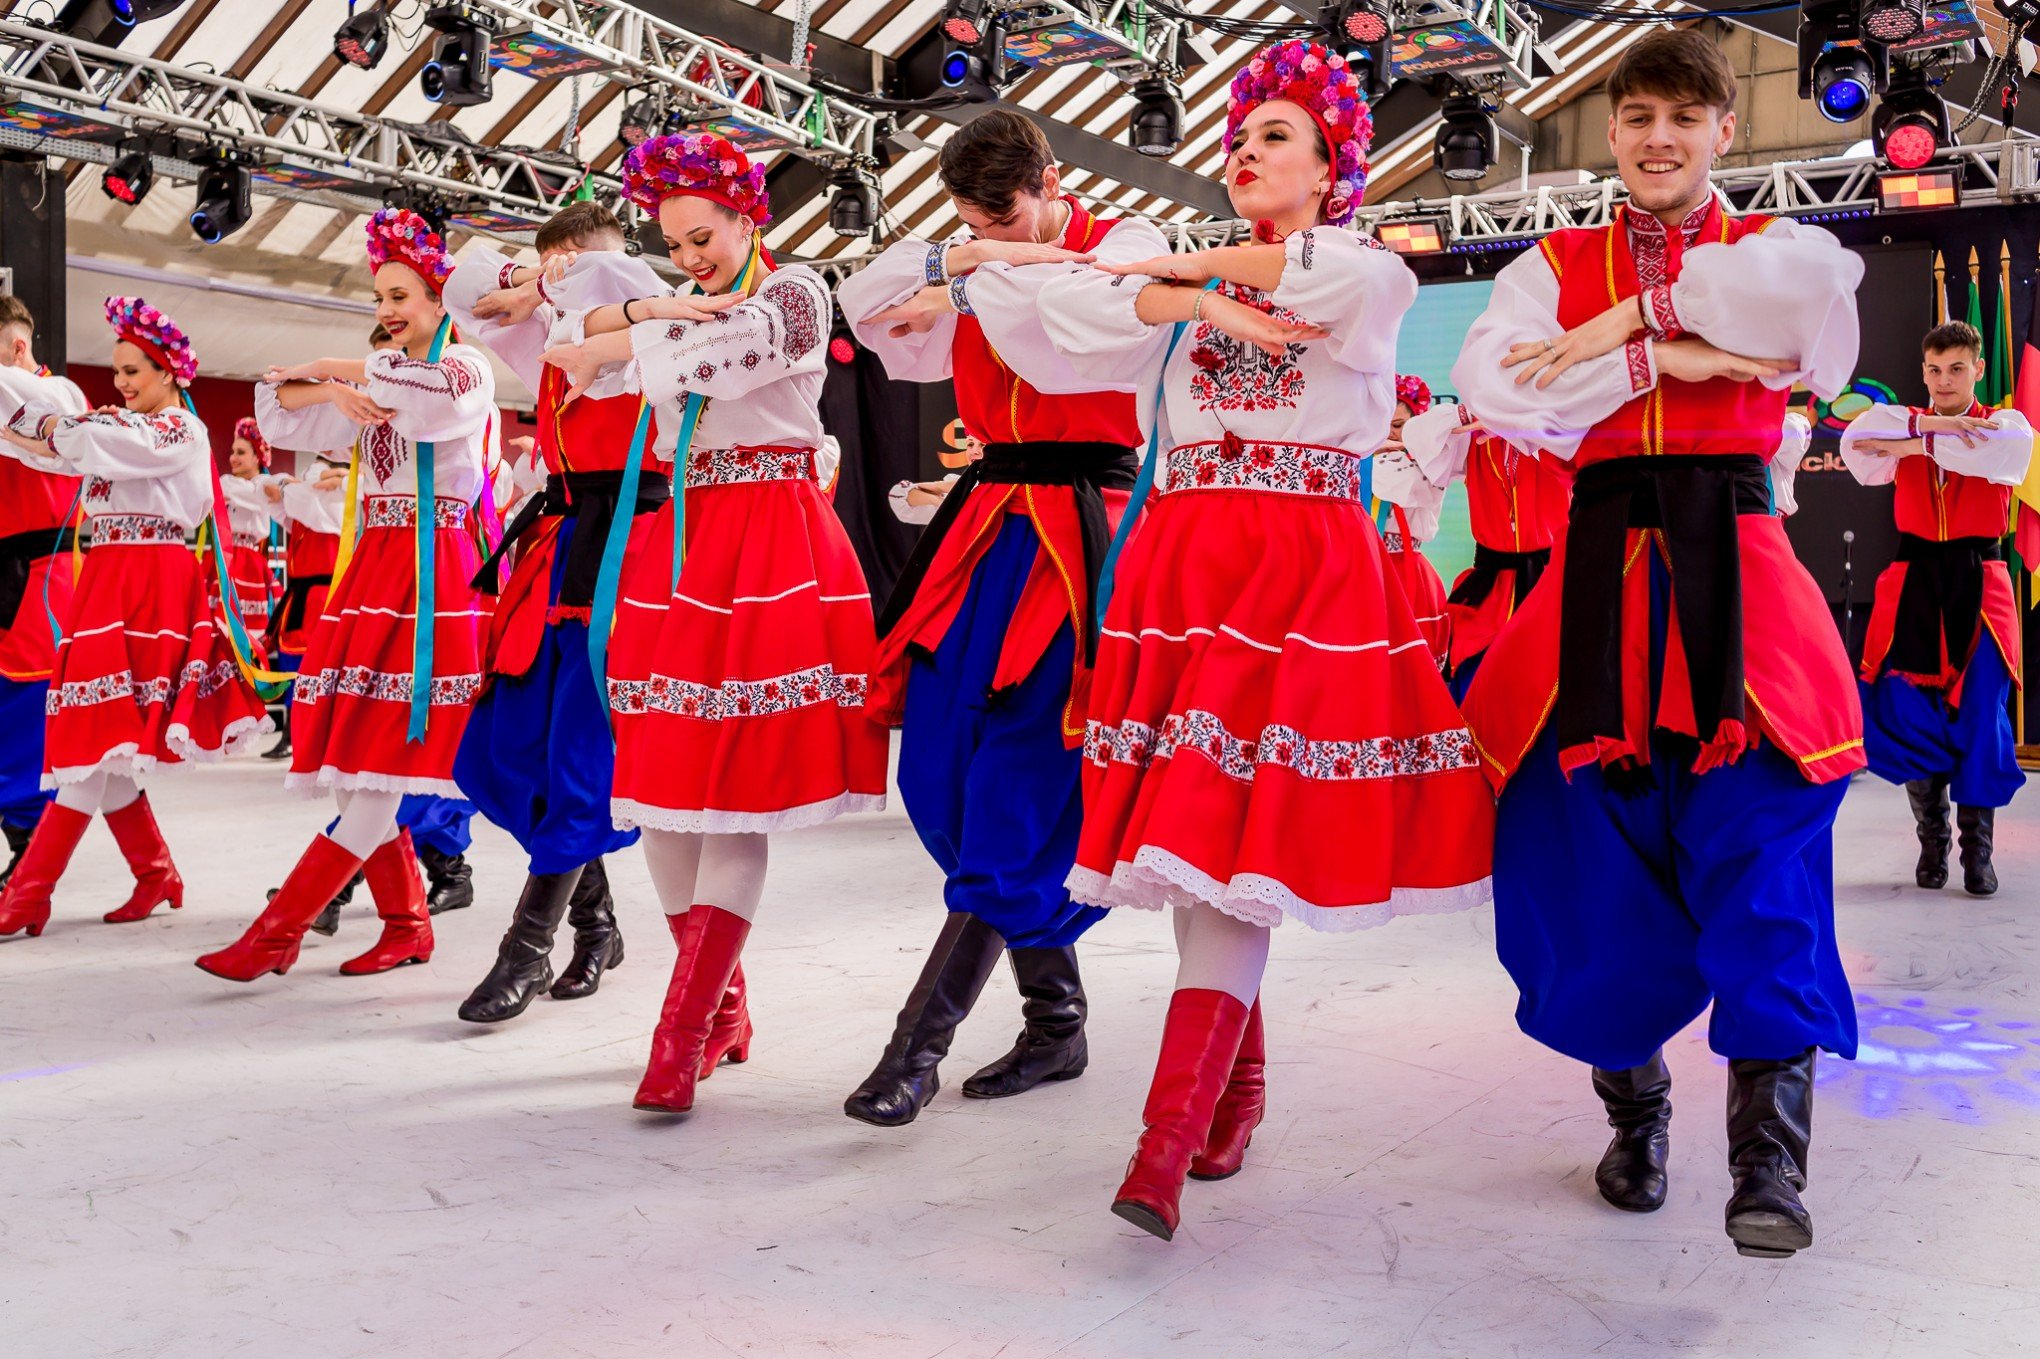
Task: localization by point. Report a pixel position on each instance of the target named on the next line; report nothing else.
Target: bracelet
(935, 268)
(960, 299)
(1197, 307)
(626, 311)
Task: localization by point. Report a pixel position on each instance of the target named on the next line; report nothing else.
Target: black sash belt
(1942, 596)
(19, 552)
(1488, 565)
(589, 499)
(1695, 502)
(1089, 468)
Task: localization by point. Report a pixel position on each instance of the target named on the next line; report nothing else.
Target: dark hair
(15, 312)
(380, 335)
(577, 224)
(1675, 63)
(993, 159)
(1950, 336)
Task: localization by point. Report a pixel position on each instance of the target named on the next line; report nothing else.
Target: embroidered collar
(1643, 226)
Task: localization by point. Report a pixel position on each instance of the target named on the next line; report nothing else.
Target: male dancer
(1942, 656)
(536, 756)
(35, 547)
(1669, 716)
(986, 646)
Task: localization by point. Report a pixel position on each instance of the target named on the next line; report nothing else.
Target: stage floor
(323, 1167)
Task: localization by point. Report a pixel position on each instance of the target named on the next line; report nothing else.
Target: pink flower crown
(1318, 82)
(1414, 392)
(698, 163)
(154, 334)
(246, 428)
(402, 235)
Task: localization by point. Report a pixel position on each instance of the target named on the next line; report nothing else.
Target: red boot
(26, 902)
(729, 1034)
(710, 940)
(1240, 1108)
(1200, 1040)
(141, 843)
(271, 943)
(398, 886)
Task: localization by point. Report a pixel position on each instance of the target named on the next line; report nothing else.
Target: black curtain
(878, 423)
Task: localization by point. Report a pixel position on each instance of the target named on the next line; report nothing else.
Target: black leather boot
(1770, 1121)
(1051, 1046)
(281, 750)
(328, 921)
(523, 966)
(959, 965)
(449, 880)
(17, 841)
(1978, 826)
(1632, 1171)
(598, 944)
(1929, 798)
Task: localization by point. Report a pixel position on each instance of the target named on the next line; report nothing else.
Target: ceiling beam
(755, 30)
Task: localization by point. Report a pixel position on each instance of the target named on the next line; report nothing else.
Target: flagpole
(1940, 288)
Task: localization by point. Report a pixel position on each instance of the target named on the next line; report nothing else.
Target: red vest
(1937, 504)
(1516, 503)
(998, 406)
(586, 434)
(1596, 270)
(32, 501)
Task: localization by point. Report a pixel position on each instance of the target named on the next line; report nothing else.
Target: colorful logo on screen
(1455, 46)
(1063, 44)
(542, 57)
(1862, 394)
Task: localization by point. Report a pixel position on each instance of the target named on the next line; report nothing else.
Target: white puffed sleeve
(900, 271)
(125, 446)
(26, 419)
(2000, 454)
(1091, 320)
(1794, 439)
(312, 429)
(451, 399)
(318, 511)
(1400, 481)
(778, 332)
(480, 272)
(1008, 302)
(1353, 289)
(1524, 307)
(1439, 442)
(1787, 292)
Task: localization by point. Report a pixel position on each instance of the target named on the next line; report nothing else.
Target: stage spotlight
(643, 119)
(964, 21)
(365, 37)
(458, 74)
(1371, 69)
(1362, 21)
(841, 348)
(1919, 190)
(978, 71)
(1893, 21)
(853, 206)
(107, 22)
(1911, 125)
(1465, 147)
(1843, 79)
(1156, 128)
(224, 206)
(131, 175)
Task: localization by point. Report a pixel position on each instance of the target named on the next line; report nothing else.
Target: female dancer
(1406, 528)
(380, 700)
(252, 498)
(737, 671)
(1268, 734)
(145, 676)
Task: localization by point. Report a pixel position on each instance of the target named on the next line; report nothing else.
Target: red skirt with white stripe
(739, 699)
(351, 708)
(1425, 591)
(1269, 733)
(144, 676)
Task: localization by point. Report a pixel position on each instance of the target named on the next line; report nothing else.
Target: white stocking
(1216, 952)
(368, 820)
(674, 858)
(727, 871)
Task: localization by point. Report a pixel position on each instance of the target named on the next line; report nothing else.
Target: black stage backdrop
(890, 432)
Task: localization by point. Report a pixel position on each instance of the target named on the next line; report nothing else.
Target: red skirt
(351, 708)
(144, 675)
(1426, 595)
(1269, 733)
(248, 569)
(739, 700)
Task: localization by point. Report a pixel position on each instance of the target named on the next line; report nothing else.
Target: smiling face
(143, 387)
(406, 308)
(1664, 149)
(1951, 376)
(1034, 215)
(242, 461)
(709, 242)
(1278, 168)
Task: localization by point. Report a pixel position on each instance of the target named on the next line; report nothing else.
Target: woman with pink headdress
(1269, 737)
(253, 500)
(743, 627)
(145, 676)
(394, 664)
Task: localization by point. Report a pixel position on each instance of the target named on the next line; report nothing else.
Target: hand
(511, 306)
(279, 374)
(331, 478)
(1249, 325)
(1889, 448)
(522, 446)
(1968, 428)
(574, 360)
(556, 266)
(1697, 361)
(688, 306)
(1194, 266)
(923, 493)
(1390, 448)
(273, 490)
(963, 258)
(355, 404)
(1544, 360)
(917, 315)
(48, 420)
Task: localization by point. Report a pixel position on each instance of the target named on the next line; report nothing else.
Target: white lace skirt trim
(1157, 878)
(632, 815)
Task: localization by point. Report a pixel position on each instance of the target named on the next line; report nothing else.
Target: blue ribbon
(682, 447)
(602, 610)
(423, 622)
(1143, 484)
(70, 518)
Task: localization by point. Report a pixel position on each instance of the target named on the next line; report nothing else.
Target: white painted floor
(318, 1166)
